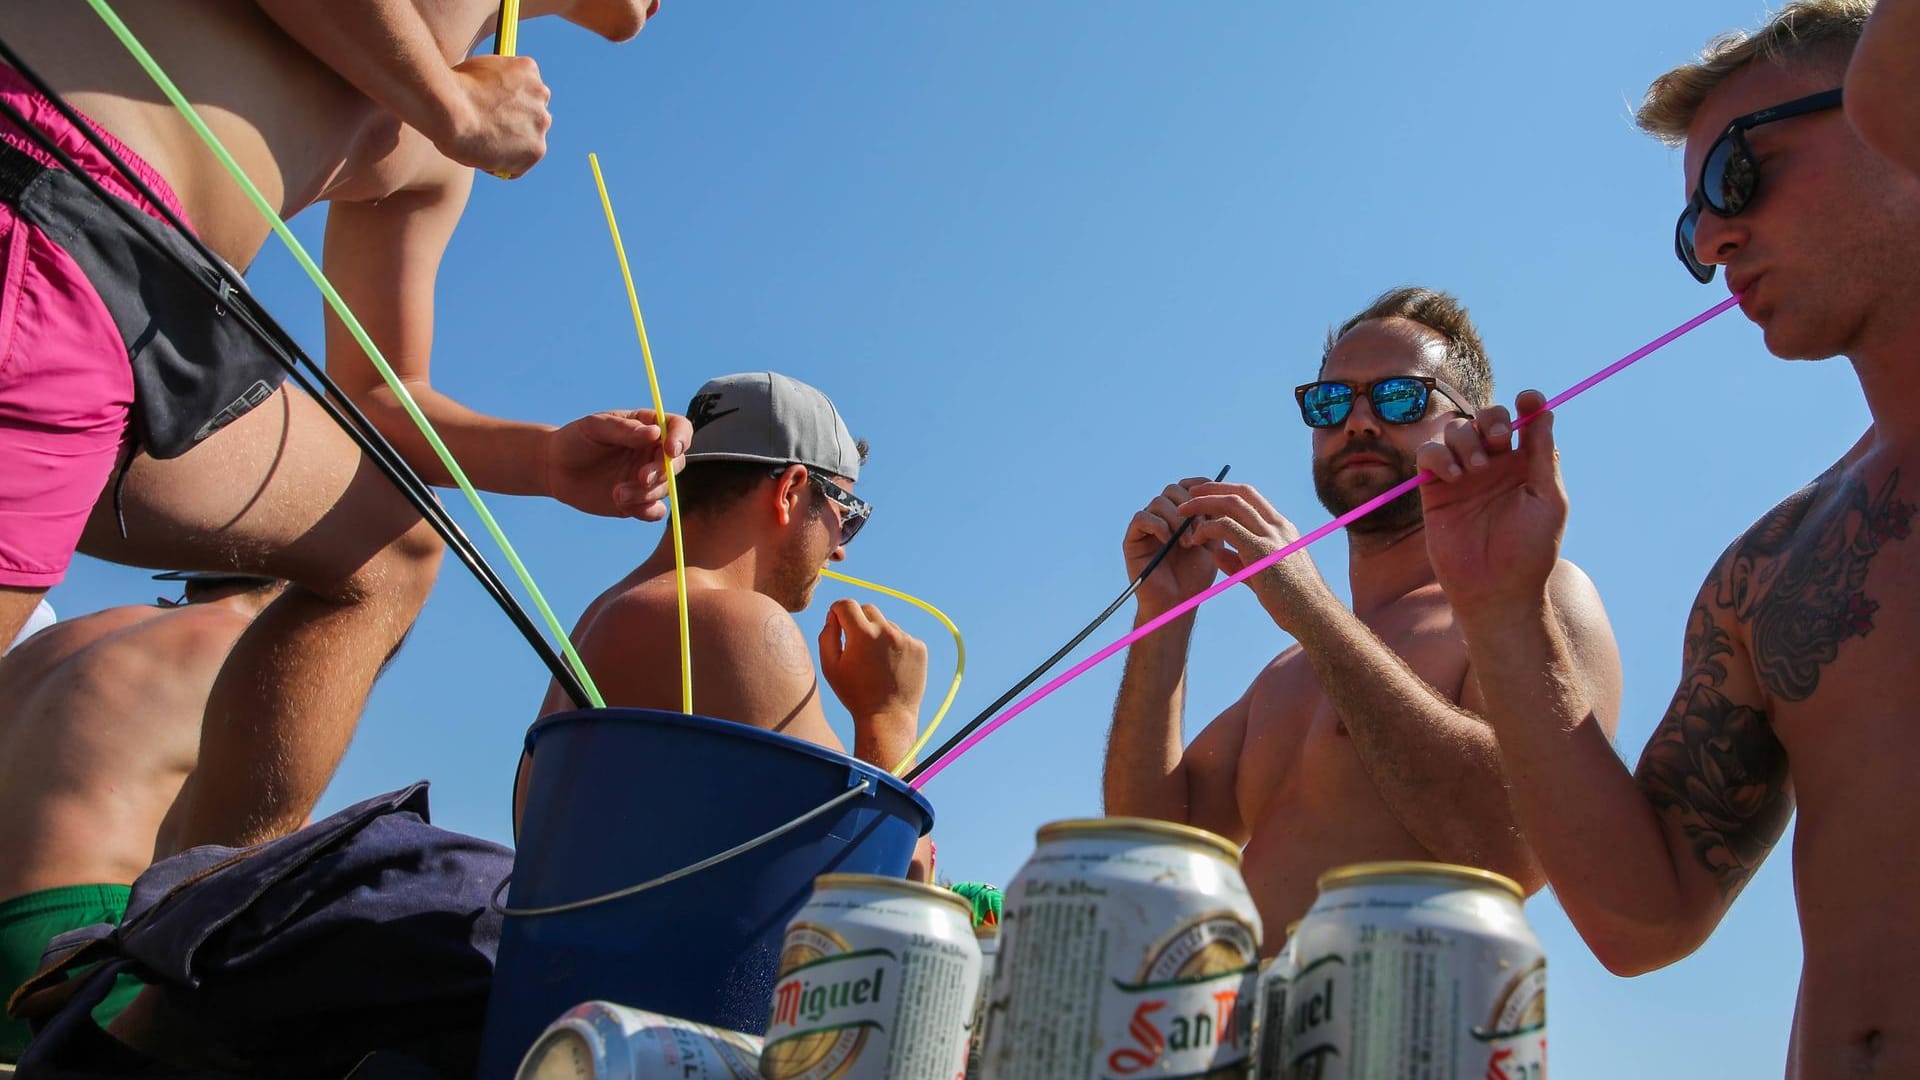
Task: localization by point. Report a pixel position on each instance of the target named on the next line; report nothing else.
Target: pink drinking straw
(1340, 522)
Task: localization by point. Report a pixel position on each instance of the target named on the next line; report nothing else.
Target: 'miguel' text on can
(877, 982)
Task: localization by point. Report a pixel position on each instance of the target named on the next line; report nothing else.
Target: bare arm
(486, 112)
(1435, 763)
(385, 255)
(1645, 867)
(1883, 83)
(1150, 772)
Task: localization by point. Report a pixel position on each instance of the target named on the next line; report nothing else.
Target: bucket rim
(733, 728)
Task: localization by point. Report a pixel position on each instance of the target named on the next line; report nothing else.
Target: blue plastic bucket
(620, 797)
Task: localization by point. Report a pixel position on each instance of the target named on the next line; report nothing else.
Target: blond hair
(1466, 358)
(1800, 30)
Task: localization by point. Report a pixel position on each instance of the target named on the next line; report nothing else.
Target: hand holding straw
(1047, 665)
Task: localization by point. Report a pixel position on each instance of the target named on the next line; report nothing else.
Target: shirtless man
(767, 501)
(99, 728)
(369, 106)
(1792, 688)
(1362, 741)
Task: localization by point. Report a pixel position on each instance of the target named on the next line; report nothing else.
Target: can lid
(1134, 826)
(1341, 877)
(900, 885)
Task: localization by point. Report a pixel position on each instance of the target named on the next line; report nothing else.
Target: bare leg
(16, 607)
(282, 492)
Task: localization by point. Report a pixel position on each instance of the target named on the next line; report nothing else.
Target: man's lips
(1356, 460)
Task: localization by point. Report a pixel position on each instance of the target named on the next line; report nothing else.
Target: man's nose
(1716, 238)
(1361, 419)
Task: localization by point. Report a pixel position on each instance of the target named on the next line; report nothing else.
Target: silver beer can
(878, 978)
(1415, 970)
(988, 935)
(1269, 1044)
(603, 1041)
(1127, 949)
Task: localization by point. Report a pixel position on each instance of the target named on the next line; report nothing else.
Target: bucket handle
(862, 787)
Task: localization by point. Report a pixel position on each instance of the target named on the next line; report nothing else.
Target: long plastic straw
(359, 333)
(959, 668)
(1340, 522)
(1060, 653)
(660, 415)
(506, 31)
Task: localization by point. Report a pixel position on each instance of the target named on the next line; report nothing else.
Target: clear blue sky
(1048, 257)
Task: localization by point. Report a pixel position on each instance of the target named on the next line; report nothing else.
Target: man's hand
(1494, 513)
(1185, 571)
(498, 116)
(610, 463)
(1237, 527)
(879, 672)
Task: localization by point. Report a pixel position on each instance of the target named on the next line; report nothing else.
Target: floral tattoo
(1796, 581)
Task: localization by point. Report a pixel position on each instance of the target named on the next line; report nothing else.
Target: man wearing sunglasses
(1360, 742)
(766, 502)
(100, 721)
(1792, 693)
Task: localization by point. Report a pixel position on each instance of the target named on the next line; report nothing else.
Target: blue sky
(1049, 257)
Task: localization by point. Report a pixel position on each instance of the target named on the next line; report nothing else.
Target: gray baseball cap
(767, 416)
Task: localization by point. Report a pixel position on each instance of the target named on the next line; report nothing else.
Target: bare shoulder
(750, 660)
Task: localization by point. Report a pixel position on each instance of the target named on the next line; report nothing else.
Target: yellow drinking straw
(506, 41)
(660, 416)
(959, 668)
(506, 34)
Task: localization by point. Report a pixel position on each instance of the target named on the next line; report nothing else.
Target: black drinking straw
(987, 713)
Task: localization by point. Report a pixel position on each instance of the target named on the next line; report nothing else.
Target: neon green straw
(359, 333)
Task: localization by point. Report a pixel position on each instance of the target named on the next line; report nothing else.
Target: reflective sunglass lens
(1400, 401)
(1326, 404)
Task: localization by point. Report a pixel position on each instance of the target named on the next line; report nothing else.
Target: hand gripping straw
(934, 767)
(959, 669)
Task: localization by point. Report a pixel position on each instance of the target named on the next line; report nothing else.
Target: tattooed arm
(1646, 864)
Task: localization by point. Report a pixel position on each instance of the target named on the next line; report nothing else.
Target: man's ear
(790, 490)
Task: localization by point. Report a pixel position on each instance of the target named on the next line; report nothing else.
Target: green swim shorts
(28, 922)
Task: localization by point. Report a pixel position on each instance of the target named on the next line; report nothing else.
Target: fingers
(1465, 446)
(831, 646)
(1148, 523)
(679, 437)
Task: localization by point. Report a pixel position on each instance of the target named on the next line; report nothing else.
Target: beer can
(1417, 970)
(603, 1041)
(988, 935)
(1269, 1029)
(878, 978)
(1127, 949)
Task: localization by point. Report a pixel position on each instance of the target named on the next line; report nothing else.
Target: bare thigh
(281, 491)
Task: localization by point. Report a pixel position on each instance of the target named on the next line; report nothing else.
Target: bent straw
(359, 333)
(1085, 632)
(660, 417)
(937, 766)
(959, 668)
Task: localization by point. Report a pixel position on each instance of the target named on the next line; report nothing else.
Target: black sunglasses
(1730, 175)
(854, 510)
(1397, 399)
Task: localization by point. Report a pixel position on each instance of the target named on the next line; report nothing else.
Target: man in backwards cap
(766, 502)
(99, 732)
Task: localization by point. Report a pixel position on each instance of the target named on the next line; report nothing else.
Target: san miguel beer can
(1417, 970)
(603, 1041)
(1127, 949)
(877, 981)
(1276, 974)
(988, 935)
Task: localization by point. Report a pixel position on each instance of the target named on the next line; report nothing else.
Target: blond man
(1790, 695)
